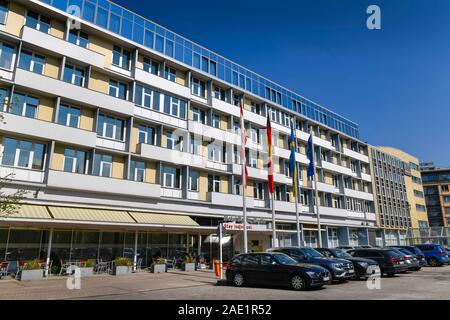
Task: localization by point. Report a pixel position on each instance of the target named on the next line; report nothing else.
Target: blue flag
(310, 155)
(293, 162)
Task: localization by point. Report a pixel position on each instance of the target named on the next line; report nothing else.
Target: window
(193, 180)
(175, 107)
(32, 62)
(194, 148)
(74, 75)
(444, 188)
(215, 152)
(110, 127)
(213, 183)
(151, 66)
(173, 141)
(171, 177)
(117, 89)
(199, 115)
(23, 154)
(121, 58)
(198, 88)
(418, 193)
(146, 135)
(24, 105)
(37, 21)
(3, 11)
(219, 93)
(147, 98)
(7, 54)
(446, 199)
(102, 165)
(216, 121)
(69, 116)
(137, 171)
(420, 208)
(74, 161)
(258, 191)
(79, 38)
(170, 74)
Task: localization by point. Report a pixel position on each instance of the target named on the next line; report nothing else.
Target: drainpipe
(49, 249)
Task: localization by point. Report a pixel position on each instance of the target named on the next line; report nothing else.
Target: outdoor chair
(4, 269)
(139, 265)
(21, 264)
(64, 267)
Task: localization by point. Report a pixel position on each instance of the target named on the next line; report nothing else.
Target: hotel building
(436, 182)
(127, 138)
(399, 196)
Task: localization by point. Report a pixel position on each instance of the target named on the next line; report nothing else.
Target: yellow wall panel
(15, 19)
(99, 82)
(103, 47)
(58, 158)
(46, 109)
(57, 29)
(118, 170)
(52, 67)
(87, 120)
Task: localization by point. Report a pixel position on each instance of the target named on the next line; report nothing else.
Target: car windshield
(284, 259)
(341, 253)
(312, 253)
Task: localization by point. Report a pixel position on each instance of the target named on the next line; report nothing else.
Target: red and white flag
(270, 156)
(243, 144)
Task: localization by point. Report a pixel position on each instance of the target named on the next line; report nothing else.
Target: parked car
(364, 247)
(389, 260)
(346, 247)
(275, 269)
(436, 255)
(410, 259)
(417, 252)
(364, 268)
(340, 269)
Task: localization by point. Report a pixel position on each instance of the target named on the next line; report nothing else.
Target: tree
(9, 202)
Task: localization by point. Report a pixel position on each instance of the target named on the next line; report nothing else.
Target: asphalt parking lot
(429, 283)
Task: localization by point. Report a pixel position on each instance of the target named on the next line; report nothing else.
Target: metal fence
(438, 235)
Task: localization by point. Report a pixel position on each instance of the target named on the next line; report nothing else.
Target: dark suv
(340, 269)
(389, 260)
(415, 251)
(364, 268)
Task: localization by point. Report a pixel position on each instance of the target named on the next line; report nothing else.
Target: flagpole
(297, 214)
(297, 192)
(244, 183)
(319, 228)
(274, 231)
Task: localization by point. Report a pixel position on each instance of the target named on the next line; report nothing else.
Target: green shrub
(90, 263)
(189, 259)
(122, 262)
(31, 265)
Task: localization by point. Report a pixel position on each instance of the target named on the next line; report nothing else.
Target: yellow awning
(163, 219)
(79, 214)
(31, 212)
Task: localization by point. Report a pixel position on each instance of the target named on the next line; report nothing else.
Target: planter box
(122, 270)
(87, 272)
(159, 268)
(31, 275)
(189, 266)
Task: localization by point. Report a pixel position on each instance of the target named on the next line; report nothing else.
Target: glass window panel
(159, 46)
(9, 151)
(89, 11)
(127, 28)
(102, 18)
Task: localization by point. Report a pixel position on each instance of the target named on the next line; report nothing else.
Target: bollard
(217, 268)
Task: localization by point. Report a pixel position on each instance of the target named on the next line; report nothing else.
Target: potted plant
(31, 271)
(88, 269)
(189, 263)
(122, 266)
(159, 266)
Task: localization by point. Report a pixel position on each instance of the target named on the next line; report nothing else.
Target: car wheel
(433, 262)
(238, 280)
(390, 275)
(298, 282)
(417, 269)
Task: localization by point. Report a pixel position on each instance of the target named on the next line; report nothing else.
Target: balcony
(171, 193)
(102, 185)
(226, 107)
(213, 133)
(358, 194)
(46, 85)
(160, 117)
(111, 144)
(62, 47)
(163, 84)
(40, 129)
(171, 156)
(335, 212)
(366, 177)
(285, 206)
(255, 118)
(228, 200)
(338, 169)
(356, 155)
(325, 187)
(218, 166)
(20, 174)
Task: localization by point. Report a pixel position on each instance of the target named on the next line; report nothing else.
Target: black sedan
(274, 269)
(364, 268)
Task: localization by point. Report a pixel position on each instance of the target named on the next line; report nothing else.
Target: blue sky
(394, 82)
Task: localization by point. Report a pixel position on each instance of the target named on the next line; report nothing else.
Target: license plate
(351, 271)
(401, 262)
(326, 278)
